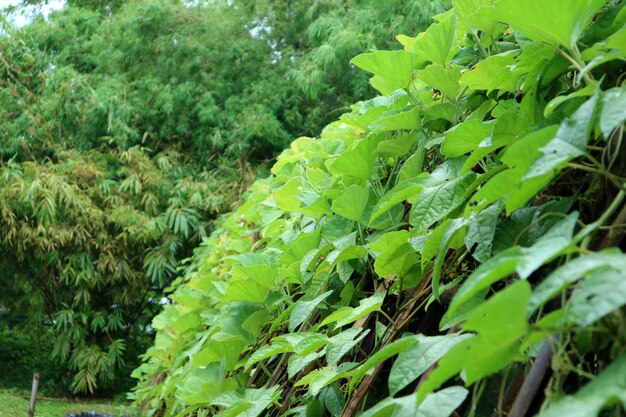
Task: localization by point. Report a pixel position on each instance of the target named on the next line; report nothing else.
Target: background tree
(126, 127)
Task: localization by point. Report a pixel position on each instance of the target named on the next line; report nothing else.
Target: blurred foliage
(23, 351)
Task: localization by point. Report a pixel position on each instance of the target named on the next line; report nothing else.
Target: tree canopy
(128, 127)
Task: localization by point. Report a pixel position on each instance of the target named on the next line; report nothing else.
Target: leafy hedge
(459, 229)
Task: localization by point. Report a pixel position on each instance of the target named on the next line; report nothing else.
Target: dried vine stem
(352, 407)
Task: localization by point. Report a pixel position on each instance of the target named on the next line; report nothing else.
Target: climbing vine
(449, 246)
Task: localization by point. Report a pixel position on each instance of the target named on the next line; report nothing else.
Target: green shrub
(25, 350)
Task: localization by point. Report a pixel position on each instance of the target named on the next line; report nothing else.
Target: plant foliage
(433, 245)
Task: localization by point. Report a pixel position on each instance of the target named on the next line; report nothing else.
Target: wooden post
(33, 395)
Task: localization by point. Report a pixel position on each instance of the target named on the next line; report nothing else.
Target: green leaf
(500, 323)
(435, 203)
(304, 309)
(351, 204)
(394, 254)
(291, 197)
(393, 407)
(359, 161)
(492, 73)
(419, 357)
(613, 111)
(367, 112)
(465, 137)
(251, 283)
(347, 315)
(277, 347)
(251, 403)
(570, 141)
(557, 22)
(442, 403)
(333, 399)
(342, 343)
(405, 120)
(351, 252)
(600, 293)
(319, 378)
(380, 356)
(451, 227)
(441, 78)
(524, 261)
(444, 110)
(299, 362)
(396, 67)
(397, 146)
(552, 244)
(606, 388)
(478, 14)
(558, 100)
(481, 231)
(508, 184)
(439, 404)
(203, 385)
(404, 191)
(414, 165)
(572, 271)
(435, 44)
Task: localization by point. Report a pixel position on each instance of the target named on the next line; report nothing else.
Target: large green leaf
(395, 67)
(322, 377)
(392, 349)
(439, 404)
(481, 231)
(299, 362)
(397, 146)
(359, 161)
(406, 190)
(613, 111)
(303, 310)
(572, 271)
(601, 293)
(367, 112)
(508, 184)
(435, 203)
(557, 22)
(407, 120)
(347, 315)
(441, 78)
(442, 403)
(436, 43)
(250, 403)
(465, 137)
(524, 261)
(492, 73)
(340, 344)
(203, 385)
(419, 357)
(500, 323)
(351, 204)
(251, 283)
(394, 254)
(478, 14)
(570, 141)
